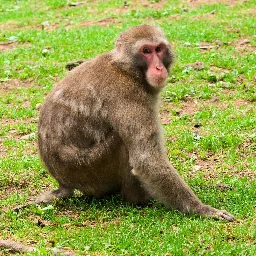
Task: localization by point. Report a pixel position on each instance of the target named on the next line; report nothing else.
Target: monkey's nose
(159, 67)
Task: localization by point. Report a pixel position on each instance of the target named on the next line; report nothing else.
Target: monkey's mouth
(157, 81)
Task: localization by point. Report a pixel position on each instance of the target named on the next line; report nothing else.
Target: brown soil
(7, 45)
(200, 2)
(215, 102)
(240, 102)
(210, 168)
(9, 121)
(155, 5)
(165, 117)
(14, 84)
(243, 45)
(103, 22)
(48, 27)
(175, 17)
(10, 25)
(217, 70)
(2, 148)
(189, 108)
(251, 11)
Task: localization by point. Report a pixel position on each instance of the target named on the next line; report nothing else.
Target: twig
(16, 247)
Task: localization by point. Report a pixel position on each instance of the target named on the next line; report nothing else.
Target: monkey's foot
(47, 197)
(209, 211)
(51, 196)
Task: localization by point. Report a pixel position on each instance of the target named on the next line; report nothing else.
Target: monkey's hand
(209, 211)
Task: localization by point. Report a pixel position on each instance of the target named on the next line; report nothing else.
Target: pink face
(156, 73)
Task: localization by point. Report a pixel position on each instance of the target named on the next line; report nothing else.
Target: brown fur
(99, 132)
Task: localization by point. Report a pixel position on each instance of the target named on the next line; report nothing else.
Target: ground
(208, 115)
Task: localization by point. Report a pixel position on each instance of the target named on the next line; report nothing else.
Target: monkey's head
(145, 50)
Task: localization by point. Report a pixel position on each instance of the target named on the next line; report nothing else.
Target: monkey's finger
(224, 215)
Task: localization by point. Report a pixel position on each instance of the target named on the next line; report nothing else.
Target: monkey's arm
(138, 127)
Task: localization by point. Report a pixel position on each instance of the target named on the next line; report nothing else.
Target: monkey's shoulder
(97, 75)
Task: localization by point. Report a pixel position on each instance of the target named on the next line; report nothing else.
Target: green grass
(208, 115)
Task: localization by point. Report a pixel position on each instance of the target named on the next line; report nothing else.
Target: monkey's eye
(146, 50)
(158, 49)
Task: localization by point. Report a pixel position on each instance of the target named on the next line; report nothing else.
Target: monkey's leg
(133, 191)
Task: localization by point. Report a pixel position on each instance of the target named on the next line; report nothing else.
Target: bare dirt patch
(218, 70)
(48, 27)
(206, 16)
(14, 84)
(4, 46)
(214, 166)
(175, 17)
(239, 103)
(227, 2)
(243, 45)
(30, 148)
(165, 117)
(251, 11)
(43, 26)
(103, 22)
(8, 26)
(9, 121)
(189, 108)
(7, 45)
(224, 104)
(207, 166)
(245, 173)
(216, 103)
(155, 5)
(2, 148)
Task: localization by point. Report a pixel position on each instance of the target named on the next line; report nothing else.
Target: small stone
(197, 168)
(13, 38)
(75, 3)
(45, 52)
(45, 23)
(28, 136)
(198, 65)
(187, 44)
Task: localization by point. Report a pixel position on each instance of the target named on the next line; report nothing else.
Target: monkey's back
(76, 143)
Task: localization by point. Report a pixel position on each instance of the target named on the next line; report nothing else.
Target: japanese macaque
(99, 130)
